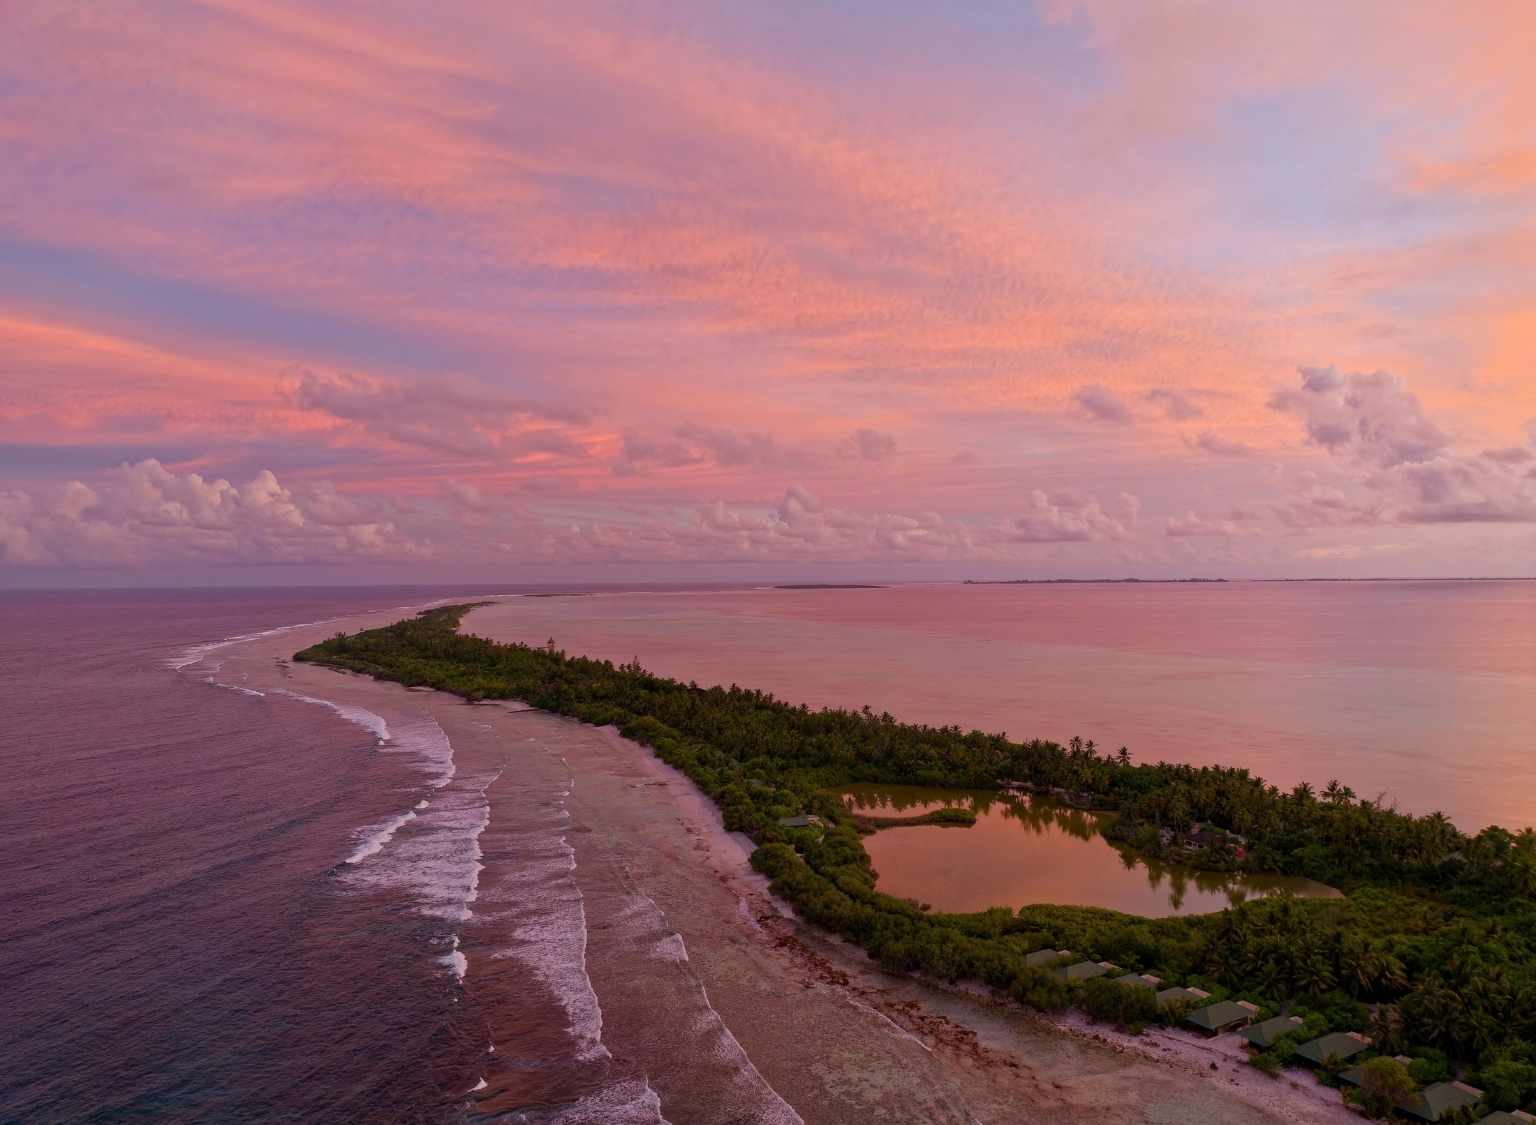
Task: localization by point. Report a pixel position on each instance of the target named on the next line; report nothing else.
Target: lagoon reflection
(1025, 850)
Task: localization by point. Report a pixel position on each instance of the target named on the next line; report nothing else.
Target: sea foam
(359, 715)
(630, 1101)
(199, 652)
(548, 919)
(374, 839)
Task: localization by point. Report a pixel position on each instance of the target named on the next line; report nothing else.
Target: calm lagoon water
(1422, 692)
(1023, 851)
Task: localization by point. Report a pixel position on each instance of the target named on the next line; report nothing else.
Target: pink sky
(398, 292)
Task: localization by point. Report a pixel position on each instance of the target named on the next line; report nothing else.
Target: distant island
(829, 586)
(1088, 581)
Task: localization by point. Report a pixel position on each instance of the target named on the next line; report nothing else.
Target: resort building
(1266, 1034)
(1140, 980)
(1222, 1016)
(1337, 1045)
(1355, 1074)
(1043, 958)
(801, 822)
(1440, 1101)
(1170, 996)
(1519, 1117)
(1085, 970)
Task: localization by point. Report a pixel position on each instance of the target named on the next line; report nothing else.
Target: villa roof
(1435, 1102)
(1042, 957)
(1338, 1045)
(1222, 1014)
(1518, 1117)
(1181, 996)
(1140, 980)
(800, 822)
(1085, 970)
(1355, 1073)
(1265, 1035)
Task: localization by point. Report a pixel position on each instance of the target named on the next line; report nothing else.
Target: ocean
(224, 904)
(174, 941)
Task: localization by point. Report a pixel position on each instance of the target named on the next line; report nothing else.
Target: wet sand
(618, 930)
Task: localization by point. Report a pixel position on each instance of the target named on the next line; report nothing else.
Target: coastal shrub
(1040, 989)
(1384, 1082)
(1268, 1062)
(1509, 1083)
(775, 860)
(1127, 1006)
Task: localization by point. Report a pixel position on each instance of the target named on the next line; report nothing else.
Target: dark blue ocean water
(172, 945)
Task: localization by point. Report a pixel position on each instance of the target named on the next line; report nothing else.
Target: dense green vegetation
(1433, 951)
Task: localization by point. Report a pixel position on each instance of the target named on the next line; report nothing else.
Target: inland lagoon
(1025, 850)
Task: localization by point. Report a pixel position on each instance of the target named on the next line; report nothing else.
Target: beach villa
(1222, 1016)
(801, 822)
(1266, 1034)
(1044, 958)
(1170, 996)
(1085, 970)
(1440, 1101)
(1518, 1117)
(1355, 1074)
(1337, 1046)
(1140, 980)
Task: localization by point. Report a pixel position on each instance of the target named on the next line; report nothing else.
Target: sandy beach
(610, 902)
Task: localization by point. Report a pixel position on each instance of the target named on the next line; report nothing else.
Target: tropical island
(829, 586)
(1414, 989)
(1091, 581)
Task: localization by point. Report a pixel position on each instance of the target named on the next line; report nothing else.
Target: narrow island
(951, 818)
(1091, 581)
(1415, 993)
(829, 586)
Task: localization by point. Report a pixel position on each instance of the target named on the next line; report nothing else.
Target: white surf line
(629, 1101)
(195, 653)
(363, 717)
(235, 687)
(375, 838)
(458, 963)
(876, 1012)
(671, 947)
